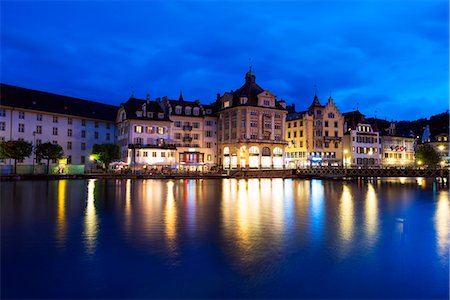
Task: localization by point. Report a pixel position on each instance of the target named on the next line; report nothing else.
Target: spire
(132, 93)
(250, 76)
(181, 96)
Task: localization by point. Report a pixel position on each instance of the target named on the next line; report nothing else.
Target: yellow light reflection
(346, 214)
(90, 220)
(170, 219)
(371, 213)
(127, 211)
(442, 221)
(61, 227)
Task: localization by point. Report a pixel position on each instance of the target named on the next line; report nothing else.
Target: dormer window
(150, 115)
(178, 110)
(226, 104)
(208, 111)
(244, 100)
(267, 102)
(187, 110)
(196, 111)
(161, 115)
(123, 116)
(139, 113)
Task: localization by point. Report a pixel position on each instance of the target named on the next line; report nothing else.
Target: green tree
(105, 154)
(427, 155)
(15, 150)
(49, 151)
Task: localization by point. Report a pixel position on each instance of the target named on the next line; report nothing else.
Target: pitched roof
(315, 103)
(19, 97)
(134, 105)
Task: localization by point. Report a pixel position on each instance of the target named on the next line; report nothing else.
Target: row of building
(245, 128)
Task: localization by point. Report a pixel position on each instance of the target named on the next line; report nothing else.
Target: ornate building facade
(251, 127)
(315, 136)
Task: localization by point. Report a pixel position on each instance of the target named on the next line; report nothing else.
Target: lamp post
(441, 153)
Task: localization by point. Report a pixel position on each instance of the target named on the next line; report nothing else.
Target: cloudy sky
(385, 57)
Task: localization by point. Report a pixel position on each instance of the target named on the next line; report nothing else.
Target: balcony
(187, 127)
(152, 146)
(332, 138)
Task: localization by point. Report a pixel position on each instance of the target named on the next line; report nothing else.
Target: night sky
(388, 57)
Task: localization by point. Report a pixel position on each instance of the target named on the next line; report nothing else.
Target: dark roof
(133, 105)
(19, 97)
(315, 102)
(352, 118)
(250, 90)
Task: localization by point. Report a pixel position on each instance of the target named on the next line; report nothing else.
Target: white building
(167, 133)
(397, 150)
(39, 117)
(361, 142)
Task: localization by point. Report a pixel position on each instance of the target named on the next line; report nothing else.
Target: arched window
(277, 151)
(226, 151)
(253, 150)
(265, 151)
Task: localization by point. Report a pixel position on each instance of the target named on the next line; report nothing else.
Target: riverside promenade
(316, 172)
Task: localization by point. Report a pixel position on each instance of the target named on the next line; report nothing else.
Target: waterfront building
(315, 136)
(167, 133)
(144, 134)
(251, 127)
(38, 117)
(361, 141)
(397, 150)
(440, 143)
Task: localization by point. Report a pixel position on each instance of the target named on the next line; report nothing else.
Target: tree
(49, 151)
(105, 153)
(15, 150)
(427, 155)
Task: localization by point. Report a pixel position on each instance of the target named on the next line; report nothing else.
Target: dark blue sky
(386, 56)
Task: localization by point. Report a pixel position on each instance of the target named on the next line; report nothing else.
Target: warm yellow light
(441, 147)
(91, 157)
(419, 162)
(345, 151)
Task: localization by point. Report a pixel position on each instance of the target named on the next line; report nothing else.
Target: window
(83, 133)
(153, 154)
(69, 132)
(326, 123)
(21, 127)
(289, 135)
(208, 157)
(326, 132)
(69, 159)
(196, 125)
(196, 111)
(195, 136)
(335, 134)
(38, 117)
(253, 124)
(108, 136)
(96, 124)
(267, 102)
(161, 115)
(301, 133)
(187, 110)
(39, 129)
(278, 126)
(96, 135)
(150, 130)
(160, 130)
(138, 140)
(138, 129)
(177, 124)
(69, 145)
(331, 115)
(55, 130)
(208, 144)
(2, 126)
(177, 135)
(38, 142)
(253, 113)
(83, 122)
(55, 119)
(335, 124)
(178, 110)
(83, 159)
(69, 121)
(21, 115)
(208, 134)
(83, 146)
(55, 142)
(289, 125)
(163, 154)
(208, 123)
(295, 133)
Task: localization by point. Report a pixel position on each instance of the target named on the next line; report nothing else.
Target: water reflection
(317, 208)
(371, 214)
(346, 218)
(170, 220)
(90, 220)
(442, 223)
(61, 224)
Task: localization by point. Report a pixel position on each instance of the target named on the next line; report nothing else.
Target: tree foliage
(105, 153)
(49, 151)
(426, 154)
(15, 150)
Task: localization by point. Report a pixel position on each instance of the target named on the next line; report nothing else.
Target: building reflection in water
(170, 220)
(371, 214)
(317, 209)
(127, 209)
(346, 218)
(190, 199)
(90, 220)
(61, 223)
(442, 221)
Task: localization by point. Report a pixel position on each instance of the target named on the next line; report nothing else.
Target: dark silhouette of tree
(15, 150)
(49, 151)
(105, 153)
(426, 154)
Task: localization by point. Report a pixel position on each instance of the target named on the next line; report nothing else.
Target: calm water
(257, 238)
